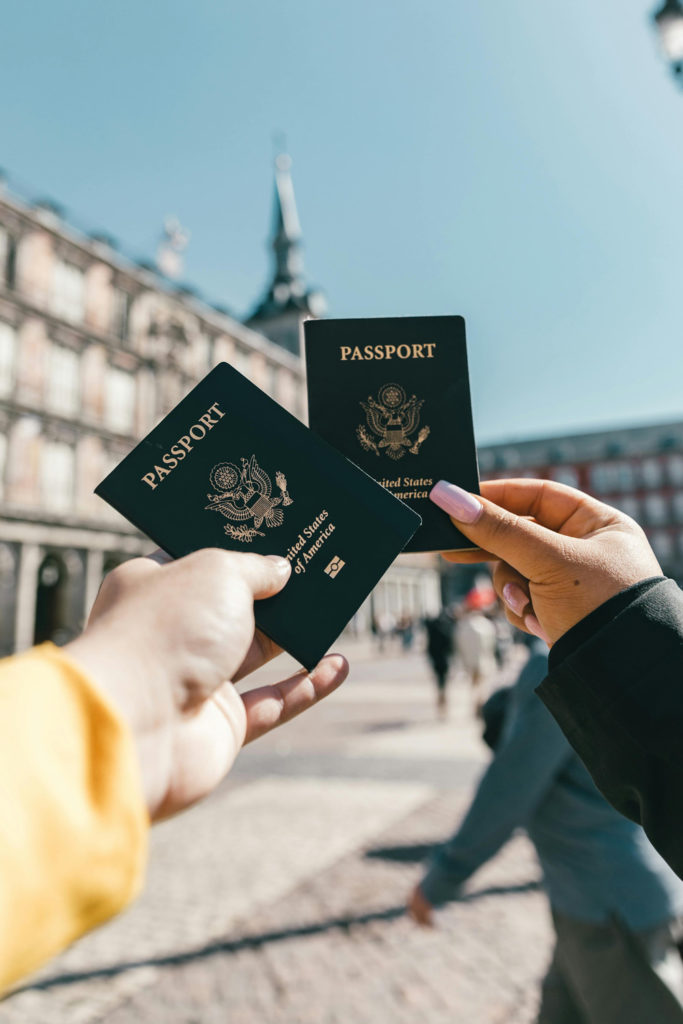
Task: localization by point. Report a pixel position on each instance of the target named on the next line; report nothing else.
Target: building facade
(636, 469)
(94, 350)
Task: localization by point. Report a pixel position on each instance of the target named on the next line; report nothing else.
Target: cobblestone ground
(280, 900)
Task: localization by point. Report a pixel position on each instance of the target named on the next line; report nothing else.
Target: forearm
(74, 820)
(616, 689)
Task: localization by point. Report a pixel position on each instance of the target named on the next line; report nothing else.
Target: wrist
(123, 683)
(123, 671)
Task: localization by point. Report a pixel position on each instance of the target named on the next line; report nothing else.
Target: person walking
(615, 903)
(440, 652)
(475, 642)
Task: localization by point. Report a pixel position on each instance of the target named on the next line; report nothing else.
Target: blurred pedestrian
(440, 651)
(475, 643)
(615, 903)
(406, 631)
(385, 626)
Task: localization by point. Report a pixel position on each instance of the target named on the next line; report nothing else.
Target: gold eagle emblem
(391, 420)
(245, 497)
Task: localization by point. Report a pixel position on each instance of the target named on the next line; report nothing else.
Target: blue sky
(519, 163)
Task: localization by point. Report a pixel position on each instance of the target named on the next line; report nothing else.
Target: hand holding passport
(230, 468)
(167, 679)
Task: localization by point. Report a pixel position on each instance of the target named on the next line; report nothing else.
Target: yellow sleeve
(73, 823)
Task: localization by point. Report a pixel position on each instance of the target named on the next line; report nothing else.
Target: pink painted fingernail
(515, 598)
(281, 564)
(460, 504)
(535, 627)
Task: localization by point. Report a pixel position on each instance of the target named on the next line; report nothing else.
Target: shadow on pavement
(230, 946)
(411, 853)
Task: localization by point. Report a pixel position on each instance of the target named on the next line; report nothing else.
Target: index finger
(556, 506)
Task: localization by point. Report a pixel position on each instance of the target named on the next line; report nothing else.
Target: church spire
(287, 300)
(286, 238)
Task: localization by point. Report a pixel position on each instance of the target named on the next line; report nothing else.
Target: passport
(230, 468)
(393, 395)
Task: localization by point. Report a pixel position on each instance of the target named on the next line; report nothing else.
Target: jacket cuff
(441, 883)
(609, 669)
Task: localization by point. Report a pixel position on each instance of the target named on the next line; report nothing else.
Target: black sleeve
(615, 687)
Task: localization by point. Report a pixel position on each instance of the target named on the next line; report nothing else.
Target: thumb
(525, 545)
(264, 575)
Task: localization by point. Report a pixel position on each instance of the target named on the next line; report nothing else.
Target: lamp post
(669, 22)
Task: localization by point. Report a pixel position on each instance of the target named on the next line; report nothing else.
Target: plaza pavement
(280, 900)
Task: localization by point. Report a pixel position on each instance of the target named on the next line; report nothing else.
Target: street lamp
(669, 22)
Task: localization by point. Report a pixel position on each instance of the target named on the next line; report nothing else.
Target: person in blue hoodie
(615, 903)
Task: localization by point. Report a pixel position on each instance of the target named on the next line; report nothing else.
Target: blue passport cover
(230, 468)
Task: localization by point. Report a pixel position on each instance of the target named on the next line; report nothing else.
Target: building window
(8, 354)
(120, 313)
(651, 473)
(8, 259)
(607, 477)
(677, 506)
(629, 506)
(675, 467)
(626, 478)
(600, 478)
(68, 299)
(512, 458)
(656, 512)
(565, 475)
(62, 382)
(57, 476)
(662, 544)
(119, 400)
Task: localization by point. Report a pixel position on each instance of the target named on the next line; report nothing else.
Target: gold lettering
(415, 350)
(182, 447)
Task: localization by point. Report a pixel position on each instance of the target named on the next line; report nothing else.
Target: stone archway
(50, 599)
(58, 597)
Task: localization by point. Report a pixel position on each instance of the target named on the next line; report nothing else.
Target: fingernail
(515, 598)
(460, 504)
(534, 626)
(281, 564)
